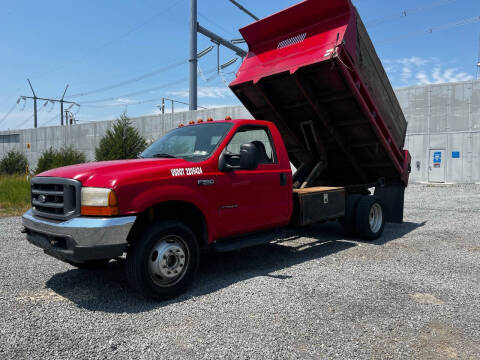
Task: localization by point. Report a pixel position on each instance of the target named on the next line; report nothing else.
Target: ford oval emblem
(42, 198)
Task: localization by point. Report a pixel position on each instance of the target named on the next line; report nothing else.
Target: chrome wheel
(168, 260)
(375, 217)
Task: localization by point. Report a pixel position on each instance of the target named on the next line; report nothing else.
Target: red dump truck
(321, 101)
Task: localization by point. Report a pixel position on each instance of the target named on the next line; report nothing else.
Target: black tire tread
(137, 278)
(363, 210)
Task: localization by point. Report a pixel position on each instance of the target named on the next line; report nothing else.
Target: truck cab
(210, 180)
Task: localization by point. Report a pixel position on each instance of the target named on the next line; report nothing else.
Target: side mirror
(226, 160)
(249, 157)
(247, 160)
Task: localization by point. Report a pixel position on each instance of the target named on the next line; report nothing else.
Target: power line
(132, 80)
(51, 119)
(111, 41)
(448, 26)
(407, 12)
(35, 98)
(25, 121)
(216, 24)
(85, 103)
(10, 111)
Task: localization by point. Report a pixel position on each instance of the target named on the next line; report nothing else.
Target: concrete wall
(85, 137)
(443, 116)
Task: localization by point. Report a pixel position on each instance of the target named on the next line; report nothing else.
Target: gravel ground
(414, 293)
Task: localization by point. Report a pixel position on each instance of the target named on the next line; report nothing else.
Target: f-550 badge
(187, 171)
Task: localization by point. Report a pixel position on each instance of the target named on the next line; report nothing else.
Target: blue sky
(92, 45)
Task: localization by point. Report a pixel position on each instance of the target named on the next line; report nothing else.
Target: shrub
(14, 162)
(14, 194)
(122, 142)
(53, 158)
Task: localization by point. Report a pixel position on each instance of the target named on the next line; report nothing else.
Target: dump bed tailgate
(312, 70)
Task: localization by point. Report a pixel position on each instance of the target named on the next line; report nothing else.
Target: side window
(260, 137)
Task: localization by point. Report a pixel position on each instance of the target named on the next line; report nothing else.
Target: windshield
(192, 143)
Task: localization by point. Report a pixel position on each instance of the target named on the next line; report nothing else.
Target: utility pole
(193, 56)
(35, 98)
(34, 105)
(61, 106)
(195, 28)
(172, 101)
(478, 61)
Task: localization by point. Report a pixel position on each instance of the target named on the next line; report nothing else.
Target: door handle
(206, 182)
(283, 179)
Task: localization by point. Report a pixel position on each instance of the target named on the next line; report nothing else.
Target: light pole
(193, 56)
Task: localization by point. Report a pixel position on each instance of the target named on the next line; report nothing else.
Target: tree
(53, 158)
(122, 142)
(14, 162)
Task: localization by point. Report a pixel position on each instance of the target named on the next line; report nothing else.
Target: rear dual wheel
(364, 217)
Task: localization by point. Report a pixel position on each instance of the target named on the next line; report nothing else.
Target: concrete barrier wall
(86, 137)
(440, 116)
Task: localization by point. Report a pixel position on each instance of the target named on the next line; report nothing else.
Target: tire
(370, 219)
(348, 222)
(91, 264)
(162, 262)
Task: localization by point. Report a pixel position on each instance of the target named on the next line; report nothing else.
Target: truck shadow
(106, 289)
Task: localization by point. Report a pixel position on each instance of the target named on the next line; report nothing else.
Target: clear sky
(142, 47)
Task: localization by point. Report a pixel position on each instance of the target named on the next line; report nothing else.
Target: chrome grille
(55, 198)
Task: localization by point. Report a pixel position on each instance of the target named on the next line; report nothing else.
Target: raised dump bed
(313, 71)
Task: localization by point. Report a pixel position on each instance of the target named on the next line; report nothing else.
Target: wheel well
(184, 212)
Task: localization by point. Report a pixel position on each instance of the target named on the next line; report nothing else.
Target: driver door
(252, 200)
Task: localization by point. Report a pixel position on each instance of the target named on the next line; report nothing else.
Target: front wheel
(370, 219)
(162, 262)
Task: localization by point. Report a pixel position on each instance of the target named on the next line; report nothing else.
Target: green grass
(14, 195)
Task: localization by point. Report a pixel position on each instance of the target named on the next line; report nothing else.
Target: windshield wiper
(164, 155)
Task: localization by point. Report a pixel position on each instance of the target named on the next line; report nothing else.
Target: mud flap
(392, 197)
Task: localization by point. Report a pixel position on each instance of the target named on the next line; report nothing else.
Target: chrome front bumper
(79, 239)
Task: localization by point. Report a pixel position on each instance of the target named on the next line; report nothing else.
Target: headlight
(99, 202)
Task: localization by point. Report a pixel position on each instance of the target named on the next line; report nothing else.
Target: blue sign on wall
(437, 157)
(456, 154)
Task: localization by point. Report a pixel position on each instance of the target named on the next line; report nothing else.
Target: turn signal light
(99, 202)
(228, 118)
(191, 122)
(210, 119)
(181, 125)
(199, 121)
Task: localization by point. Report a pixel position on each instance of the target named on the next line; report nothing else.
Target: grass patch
(14, 195)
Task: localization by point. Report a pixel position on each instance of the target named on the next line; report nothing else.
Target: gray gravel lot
(414, 293)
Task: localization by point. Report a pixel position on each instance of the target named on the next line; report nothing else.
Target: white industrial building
(443, 133)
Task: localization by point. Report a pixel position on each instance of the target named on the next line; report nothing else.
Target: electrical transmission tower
(35, 98)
